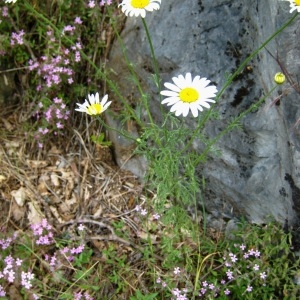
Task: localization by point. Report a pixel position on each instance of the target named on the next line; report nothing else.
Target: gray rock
(124, 147)
(211, 39)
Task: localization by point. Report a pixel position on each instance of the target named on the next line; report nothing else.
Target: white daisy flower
(93, 106)
(138, 7)
(10, 1)
(295, 5)
(188, 94)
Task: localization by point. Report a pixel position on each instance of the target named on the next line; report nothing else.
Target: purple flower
(243, 247)
(81, 227)
(227, 292)
(77, 20)
(229, 274)
(156, 216)
(143, 212)
(17, 38)
(233, 257)
(249, 288)
(204, 283)
(263, 275)
(91, 4)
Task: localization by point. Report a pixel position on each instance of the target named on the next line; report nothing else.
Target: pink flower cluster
(144, 212)
(67, 253)
(26, 279)
(92, 4)
(11, 271)
(17, 38)
(80, 296)
(107, 2)
(56, 115)
(4, 11)
(44, 233)
(53, 69)
(5, 243)
(177, 293)
(233, 263)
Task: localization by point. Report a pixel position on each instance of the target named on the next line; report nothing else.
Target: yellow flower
(93, 106)
(188, 94)
(279, 78)
(139, 7)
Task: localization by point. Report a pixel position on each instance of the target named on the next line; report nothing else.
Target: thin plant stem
(199, 269)
(155, 65)
(116, 130)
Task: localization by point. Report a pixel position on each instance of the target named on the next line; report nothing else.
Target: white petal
(196, 79)
(185, 110)
(105, 107)
(171, 100)
(179, 81)
(172, 87)
(204, 104)
(84, 105)
(80, 109)
(199, 107)
(152, 6)
(97, 98)
(188, 79)
(143, 13)
(104, 99)
(177, 107)
(169, 93)
(194, 109)
(91, 98)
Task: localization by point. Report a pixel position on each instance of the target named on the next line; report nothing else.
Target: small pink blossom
(263, 275)
(77, 20)
(81, 227)
(249, 288)
(91, 4)
(143, 212)
(156, 216)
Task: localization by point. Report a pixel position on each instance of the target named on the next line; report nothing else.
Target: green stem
(157, 77)
(131, 69)
(116, 130)
(231, 78)
(135, 76)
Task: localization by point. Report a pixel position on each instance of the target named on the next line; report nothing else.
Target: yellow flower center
(140, 3)
(297, 2)
(94, 109)
(188, 95)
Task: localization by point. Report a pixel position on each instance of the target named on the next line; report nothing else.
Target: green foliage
(139, 296)
(100, 140)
